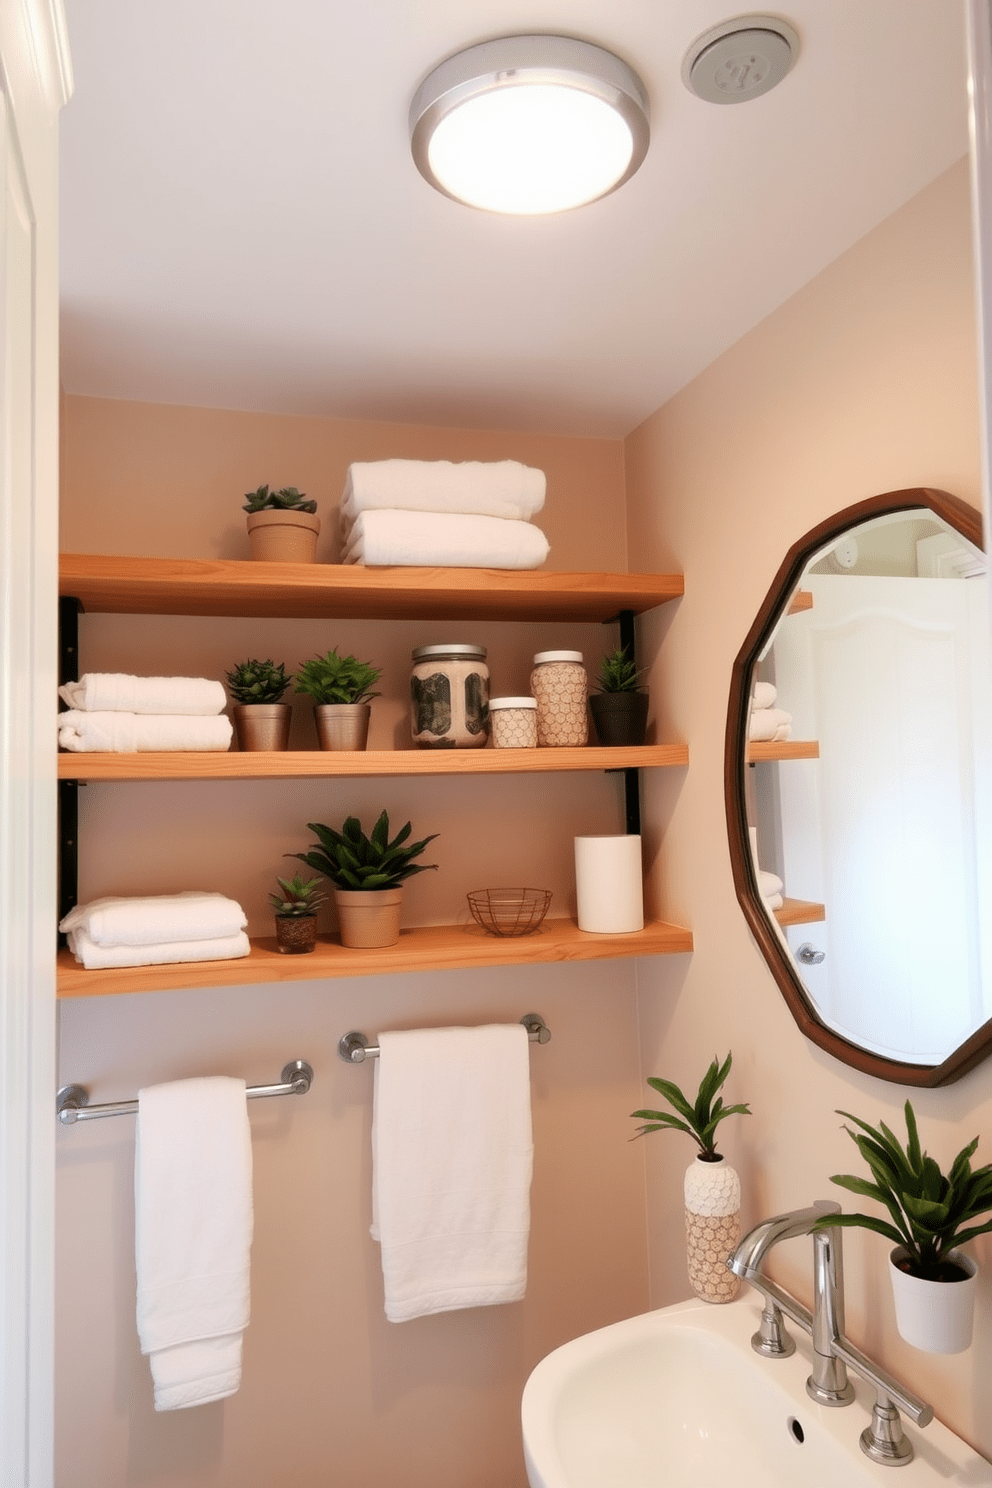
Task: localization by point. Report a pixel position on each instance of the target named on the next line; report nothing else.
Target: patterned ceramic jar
(513, 721)
(449, 697)
(560, 685)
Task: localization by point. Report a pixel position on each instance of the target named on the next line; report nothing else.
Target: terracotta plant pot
(342, 725)
(262, 725)
(620, 717)
(935, 1316)
(712, 1228)
(296, 935)
(369, 919)
(283, 536)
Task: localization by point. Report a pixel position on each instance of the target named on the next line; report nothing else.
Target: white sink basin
(678, 1399)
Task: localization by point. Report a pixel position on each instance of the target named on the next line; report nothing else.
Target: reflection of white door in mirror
(870, 811)
(887, 828)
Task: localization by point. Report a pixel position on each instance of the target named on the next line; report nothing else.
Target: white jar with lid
(513, 722)
(449, 697)
(560, 686)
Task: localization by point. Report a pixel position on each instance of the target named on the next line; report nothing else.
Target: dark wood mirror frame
(959, 515)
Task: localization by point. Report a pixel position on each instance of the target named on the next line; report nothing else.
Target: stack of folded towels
(156, 930)
(435, 514)
(770, 887)
(124, 715)
(767, 724)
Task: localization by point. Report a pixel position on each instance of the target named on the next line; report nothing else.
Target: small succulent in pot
(353, 861)
(617, 673)
(253, 682)
(931, 1213)
(287, 499)
(619, 707)
(700, 1118)
(298, 896)
(334, 679)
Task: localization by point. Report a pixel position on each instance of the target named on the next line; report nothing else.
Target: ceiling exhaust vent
(740, 59)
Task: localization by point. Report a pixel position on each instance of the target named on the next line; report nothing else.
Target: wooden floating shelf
(799, 912)
(295, 764)
(427, 948)
(783, 749)
(801, 600)
(193, 586)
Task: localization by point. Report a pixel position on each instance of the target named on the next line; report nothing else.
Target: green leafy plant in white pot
(341, 689)
(367, 874)
(261, 718)
(619, 704)
(931, 1214)
(712, 1187)
(282, 525)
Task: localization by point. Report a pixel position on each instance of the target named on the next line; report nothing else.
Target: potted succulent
(339, 686)
(261, 718)
(296, 907)
(930, 1215)
(367, 874)
(619, 705)
(712, 1187)
(282, 525)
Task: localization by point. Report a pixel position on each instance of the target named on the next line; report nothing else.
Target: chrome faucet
(884, 1439)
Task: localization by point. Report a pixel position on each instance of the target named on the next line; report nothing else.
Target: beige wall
(863, 382)
(332, 1393)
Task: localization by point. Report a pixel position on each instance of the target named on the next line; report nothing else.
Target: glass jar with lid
(560, 685)
(449, 696)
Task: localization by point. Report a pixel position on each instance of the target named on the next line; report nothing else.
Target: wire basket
(509, 911)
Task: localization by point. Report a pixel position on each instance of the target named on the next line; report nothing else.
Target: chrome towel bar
(354, 1048)
(72, 1101)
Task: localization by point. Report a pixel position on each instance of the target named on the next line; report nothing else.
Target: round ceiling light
(529, 124)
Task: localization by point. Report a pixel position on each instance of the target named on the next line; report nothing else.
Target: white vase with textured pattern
(712, 1227)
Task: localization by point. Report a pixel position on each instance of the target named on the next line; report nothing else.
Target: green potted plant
(282, 525)
(712, 1188)
(931, 1214)
(261, 718)
(296, 907)
(367, 874)
(619, 705)
(341, 690)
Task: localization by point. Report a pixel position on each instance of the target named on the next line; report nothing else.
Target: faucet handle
(884, 1439)
(772, 1340)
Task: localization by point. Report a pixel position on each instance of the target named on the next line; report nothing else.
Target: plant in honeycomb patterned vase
(712, 1187)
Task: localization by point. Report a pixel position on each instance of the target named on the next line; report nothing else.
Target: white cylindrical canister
(513, 722)
(608, 884)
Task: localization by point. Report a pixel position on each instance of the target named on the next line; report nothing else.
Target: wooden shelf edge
(426, 948)
(295, 764)
(194, 586)
(800, 912)
(783, 749)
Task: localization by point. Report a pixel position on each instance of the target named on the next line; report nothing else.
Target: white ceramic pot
(369, 919)
(935, 1316)
(712, 1228)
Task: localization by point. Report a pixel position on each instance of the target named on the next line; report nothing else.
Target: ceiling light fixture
(529, 124)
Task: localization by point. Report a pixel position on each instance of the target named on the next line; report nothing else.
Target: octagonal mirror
(858, 775)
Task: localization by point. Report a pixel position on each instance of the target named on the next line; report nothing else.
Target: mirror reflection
(869, 785)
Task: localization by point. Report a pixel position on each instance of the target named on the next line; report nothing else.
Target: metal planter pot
(261, 726)
(342, 725)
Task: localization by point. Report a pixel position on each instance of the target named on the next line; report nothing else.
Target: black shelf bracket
(632, 777)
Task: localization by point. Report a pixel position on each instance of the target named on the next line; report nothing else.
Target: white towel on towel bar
(440, 540)
(134, 733)
(497, 488)
(162, 953)
(452, 1154)
(154, 918)
(193, 1229)
(118, 692)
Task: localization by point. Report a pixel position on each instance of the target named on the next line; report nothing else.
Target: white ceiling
(243, 225)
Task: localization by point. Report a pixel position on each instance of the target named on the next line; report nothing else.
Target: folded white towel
(156, 918)
(452, 1154)
(116, 692)
(439, 540)
(498, 488)
(769, 725)
(769, 884)
(763, 695)
(132, 733)
(161, 953)
(773, 901)
(193, 1227)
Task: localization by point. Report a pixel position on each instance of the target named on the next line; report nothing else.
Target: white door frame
(34, 84)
